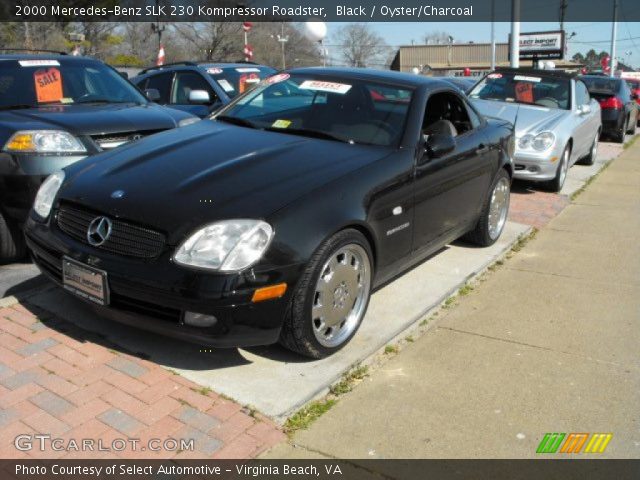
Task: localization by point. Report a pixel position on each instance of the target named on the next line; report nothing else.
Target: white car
(556, 122)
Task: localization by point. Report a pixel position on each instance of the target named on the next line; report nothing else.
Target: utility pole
(514, 48)
(563, 9)
(493, 34)
(283, 39)
(157, 28)
(614, 32)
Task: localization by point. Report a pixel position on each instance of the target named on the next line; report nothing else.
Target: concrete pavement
(547, 343)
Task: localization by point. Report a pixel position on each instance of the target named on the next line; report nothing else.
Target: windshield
(347, 110)
(601, 84)
(525, 88)
(36, 83)
(237, 80)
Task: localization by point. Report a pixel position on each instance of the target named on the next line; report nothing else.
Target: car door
(450, 190)
(160, 82)
(185, 82)
(586, 121)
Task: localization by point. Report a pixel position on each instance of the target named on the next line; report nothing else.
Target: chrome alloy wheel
(341, 294)
(564, 167)
(499, 207)
(594, 148)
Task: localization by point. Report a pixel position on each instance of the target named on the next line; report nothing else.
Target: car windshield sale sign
(542, 45)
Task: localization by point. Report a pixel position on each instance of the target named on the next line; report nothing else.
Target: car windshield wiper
(237, 121)
(305, 132)
(18, 106)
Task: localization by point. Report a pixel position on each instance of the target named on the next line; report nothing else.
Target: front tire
(593, 152)
(12, 244)
(556, 184)
(331, 297)
(494, 213)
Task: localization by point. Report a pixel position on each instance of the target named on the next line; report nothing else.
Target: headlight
(525, 142)
(543, 140)
(47, 193)
(188, 121)
(44, 141)
(228, 245)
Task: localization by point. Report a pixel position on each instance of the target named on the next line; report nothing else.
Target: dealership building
(450, 60)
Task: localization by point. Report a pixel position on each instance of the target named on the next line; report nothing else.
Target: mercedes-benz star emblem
(117, 194)
(99, 231)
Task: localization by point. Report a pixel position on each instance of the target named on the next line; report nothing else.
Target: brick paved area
(58, 379)
(532, 206)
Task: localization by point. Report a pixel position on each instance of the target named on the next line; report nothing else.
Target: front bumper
(153, 295)
(533, 166)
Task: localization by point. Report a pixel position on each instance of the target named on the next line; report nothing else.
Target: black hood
(180, 179)
(95, 119)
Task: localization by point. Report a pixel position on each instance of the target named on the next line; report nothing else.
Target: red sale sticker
(281, 77)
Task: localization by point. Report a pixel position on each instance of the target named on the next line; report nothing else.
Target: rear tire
(494, 212)
(318, 323)
(12, 244)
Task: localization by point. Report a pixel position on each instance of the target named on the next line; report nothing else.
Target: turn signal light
(21, 142)
(267, 293)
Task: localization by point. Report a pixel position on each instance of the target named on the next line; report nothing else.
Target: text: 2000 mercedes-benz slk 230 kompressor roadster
(275, 220)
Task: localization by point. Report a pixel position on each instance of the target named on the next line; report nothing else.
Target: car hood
(526, 118)
(94, 119)
(181, 179)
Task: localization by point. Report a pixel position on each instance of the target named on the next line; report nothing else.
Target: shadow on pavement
(75, 318)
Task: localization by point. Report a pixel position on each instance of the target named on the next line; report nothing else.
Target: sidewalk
(548, 343)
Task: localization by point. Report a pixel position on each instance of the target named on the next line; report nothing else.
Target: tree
(360, 46)
(591, 59)
(212, 41)
(437, 38)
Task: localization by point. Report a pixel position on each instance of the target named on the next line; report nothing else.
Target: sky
(596, 35)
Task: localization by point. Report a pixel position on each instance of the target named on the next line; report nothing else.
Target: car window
(582, 94)
(162, 83)
(46, 82)
(447, 107)
(528, 88)
(473, 115)
(237, 80)
(348, 110)
(184, 83)
(625, 92)
(601, 84)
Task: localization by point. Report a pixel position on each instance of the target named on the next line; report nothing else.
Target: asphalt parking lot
(276, 382)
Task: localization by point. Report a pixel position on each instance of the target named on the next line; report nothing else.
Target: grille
(113, 140)
(125, 239)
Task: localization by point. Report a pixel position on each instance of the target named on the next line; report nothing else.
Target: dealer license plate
(85, 281)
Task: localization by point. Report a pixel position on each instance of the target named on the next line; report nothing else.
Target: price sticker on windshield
(524, 78)
(281, 77)
(340, 88)
(214, 71)
(48, 84)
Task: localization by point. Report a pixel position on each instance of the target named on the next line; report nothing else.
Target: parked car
(634, 86)
(617, 105)
(463, 83)
(197, 87)
(317, 195)
(55, 110)
(557, 123)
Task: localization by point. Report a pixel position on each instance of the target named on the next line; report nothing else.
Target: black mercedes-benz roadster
(275, 219)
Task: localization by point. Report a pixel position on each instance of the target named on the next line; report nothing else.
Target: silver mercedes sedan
(557, 123)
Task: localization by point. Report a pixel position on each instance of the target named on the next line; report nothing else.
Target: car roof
(538, 72)
(199, 65)
(44, 56)
(383, 76)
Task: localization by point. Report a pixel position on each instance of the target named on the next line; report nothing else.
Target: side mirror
(199, 97)
(152, 94)
(584, 109)
(439, 144)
